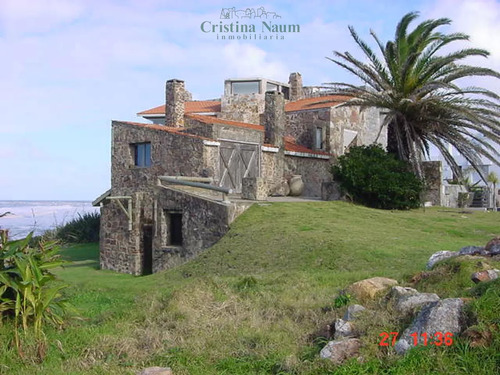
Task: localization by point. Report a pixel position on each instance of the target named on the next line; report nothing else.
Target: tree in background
(493, 179)
(416, 89)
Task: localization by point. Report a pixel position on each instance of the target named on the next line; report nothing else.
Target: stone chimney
(175, 96)
(295, 82)
(274, 118)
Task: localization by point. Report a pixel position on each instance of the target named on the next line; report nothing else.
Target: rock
(472, 250)
(408, 304)
(400, 291)
(493, 246)
(368, 288)
(440, 256)
(339, 350)
(486, 275)
(343, 329)
(353, 311)
(156, 371)
(444, 316)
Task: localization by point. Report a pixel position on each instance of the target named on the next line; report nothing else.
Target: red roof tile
(315, 103)
(179, 131)
(197, 106)
(215, 120)
(290, 145)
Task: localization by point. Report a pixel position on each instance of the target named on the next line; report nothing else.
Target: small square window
(142, 155)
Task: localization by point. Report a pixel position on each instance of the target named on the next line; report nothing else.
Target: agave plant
(416, 88)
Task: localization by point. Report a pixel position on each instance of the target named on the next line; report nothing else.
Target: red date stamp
(437, 339)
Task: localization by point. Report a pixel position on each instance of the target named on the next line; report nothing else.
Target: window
(271, 87)
(245, 87)
(318, 141)
(173, 228)
(142, 154)
(286, 92)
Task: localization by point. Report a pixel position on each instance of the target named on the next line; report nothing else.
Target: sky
(69, 67)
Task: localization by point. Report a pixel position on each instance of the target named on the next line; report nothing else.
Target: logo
(249, 24)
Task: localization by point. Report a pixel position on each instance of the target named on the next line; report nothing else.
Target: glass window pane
(245, 87)
(140, 155)
(319, 138)
(271, 87)
(147, 154)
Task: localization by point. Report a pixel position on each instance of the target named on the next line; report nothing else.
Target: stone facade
(253, 145)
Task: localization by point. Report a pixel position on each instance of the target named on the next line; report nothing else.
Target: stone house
(179, 181)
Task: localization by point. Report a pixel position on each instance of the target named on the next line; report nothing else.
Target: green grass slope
(252, 303)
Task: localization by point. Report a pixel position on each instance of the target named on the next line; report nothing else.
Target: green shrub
(28, 292)
(85, 228)
(375, 178)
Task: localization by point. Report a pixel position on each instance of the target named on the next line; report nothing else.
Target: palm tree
(416, 90)
(493, 179)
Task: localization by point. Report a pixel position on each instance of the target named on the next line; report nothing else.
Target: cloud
(247, 60)
(23, 16)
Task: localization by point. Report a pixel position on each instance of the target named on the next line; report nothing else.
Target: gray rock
(156, 371)
(445, 316)
(400, 291)
(339, 350)
(343, 329)
(486, 275)
(353, 311)
(440, 256)
(472, 250)
(410, 303)
(494, 249)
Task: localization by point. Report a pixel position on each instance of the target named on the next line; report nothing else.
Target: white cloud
(37, 16)
(247, 60)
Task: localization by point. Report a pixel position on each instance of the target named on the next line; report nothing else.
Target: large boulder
(444, 316)
(440, 256)
(369, 288)
(408, 304)
(493, 246)
(340, 350)
(472, 250)
(401, 291)
(353, 311)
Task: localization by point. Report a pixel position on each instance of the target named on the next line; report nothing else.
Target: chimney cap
(174, 80)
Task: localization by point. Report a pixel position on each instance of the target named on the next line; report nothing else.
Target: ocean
(39, 216)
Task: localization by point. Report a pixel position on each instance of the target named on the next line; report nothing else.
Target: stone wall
(171, 154)
(302, 127)
(120, 248)
(242, 107)
(204, 222)
(366, 123)
(314, 172)
(433, 175)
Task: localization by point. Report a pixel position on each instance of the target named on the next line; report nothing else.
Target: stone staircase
(481, 198)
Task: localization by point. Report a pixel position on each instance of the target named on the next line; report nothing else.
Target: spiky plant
(415, 87)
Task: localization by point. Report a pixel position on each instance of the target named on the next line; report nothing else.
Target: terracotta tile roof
(168, 129)
(294, 147)
(315, 103)
(197, 106)
(215, 120)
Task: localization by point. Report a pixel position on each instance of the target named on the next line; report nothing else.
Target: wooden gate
(237, 160)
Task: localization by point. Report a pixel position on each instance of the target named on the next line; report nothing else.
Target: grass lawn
(252, 303)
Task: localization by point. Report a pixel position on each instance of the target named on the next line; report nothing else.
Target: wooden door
(237, 160)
